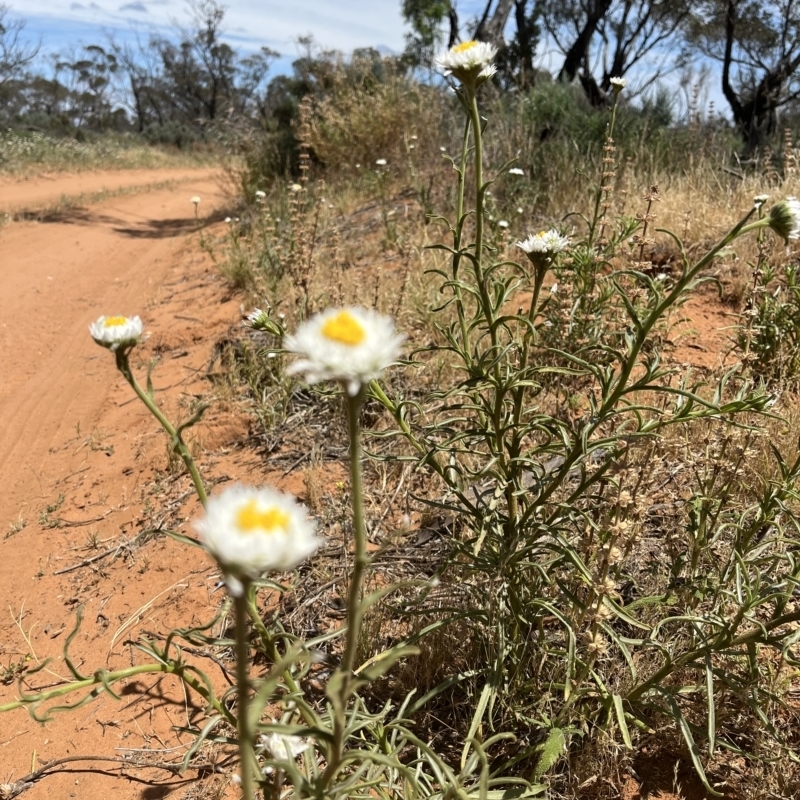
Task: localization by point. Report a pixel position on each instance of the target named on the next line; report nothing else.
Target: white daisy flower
(503, 223)
(260, 194)
(116, 332)
(257, 317)
(381, 162)
(252, 531)
(760, 199)
(548, 242)
(228, 220)
(195, 200)
(618, 84)
(284, 747)
(470, 62)
(520, 210)
(516, 171)
(296, 187)
(351, 345)
(784, 218)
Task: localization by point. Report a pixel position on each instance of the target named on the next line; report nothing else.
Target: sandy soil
(76, 443)
(45, 191)
(84, 470)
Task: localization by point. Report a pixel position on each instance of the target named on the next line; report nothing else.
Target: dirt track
(75, 443)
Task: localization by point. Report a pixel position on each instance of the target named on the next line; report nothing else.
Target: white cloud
(252, 23)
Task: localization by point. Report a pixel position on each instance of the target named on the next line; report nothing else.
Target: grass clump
(617, 568)
(26, 153)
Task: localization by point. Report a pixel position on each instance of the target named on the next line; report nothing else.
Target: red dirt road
(75, 443)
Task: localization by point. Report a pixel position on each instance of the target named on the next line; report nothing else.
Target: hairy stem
(123, 365)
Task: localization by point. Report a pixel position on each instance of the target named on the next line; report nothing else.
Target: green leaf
(694, 751)
(551, 751)
(623, 725)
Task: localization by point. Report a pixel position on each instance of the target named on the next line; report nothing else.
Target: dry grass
(363, 237)
(35, 153)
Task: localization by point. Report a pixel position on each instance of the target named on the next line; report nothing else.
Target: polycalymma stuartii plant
(254, 531)
(118, 331)
(552, 508)
(784, 218)
(349, 345)
(470, 62)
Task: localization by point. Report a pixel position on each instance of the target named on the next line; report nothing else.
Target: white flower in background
(195, 200)
(260, 194)
(284, 747)
(351, 345)
(760, 199)
(784, 218)
(618, 84)
(520, 210)
(257, 317)
(116, 332)
(516, 171)
(411, 146)
(228, 220)
(470, 62)
(252, 531)
(296, 187)
(358, 166)
(443, 149)
(414, 137)
(548, 242)
(503, 223)
(381, 162)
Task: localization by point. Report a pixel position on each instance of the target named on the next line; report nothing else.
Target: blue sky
(341, 25)
(249, 24)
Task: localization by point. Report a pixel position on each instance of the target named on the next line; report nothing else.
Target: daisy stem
(459, 230)
(477, 137)
(355, 611)
(247, 759)
(179, 446)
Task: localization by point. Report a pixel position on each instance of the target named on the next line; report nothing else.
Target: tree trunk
(491, 29)
(525, 30)
(576, 54)
(452, 16)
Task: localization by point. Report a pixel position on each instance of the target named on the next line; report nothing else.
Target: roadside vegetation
(562, 550)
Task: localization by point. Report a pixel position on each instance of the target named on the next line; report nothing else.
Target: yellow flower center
(345, 329)
(112, 322)
(464, 46)
(250, 518)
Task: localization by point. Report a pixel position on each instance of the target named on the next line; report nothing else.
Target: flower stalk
(355, 610)
(179, 446)
(247, 757)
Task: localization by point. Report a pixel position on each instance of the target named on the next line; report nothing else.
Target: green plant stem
(123, 365)
(488, 310)
(101, 678)
(355, 610)
(247, 758)
(459, 230)
(642, 332)
(272, 651)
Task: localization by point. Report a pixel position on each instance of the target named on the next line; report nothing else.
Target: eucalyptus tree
(758, 47)
(604, 39)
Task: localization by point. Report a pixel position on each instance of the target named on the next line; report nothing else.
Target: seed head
(784, 218)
